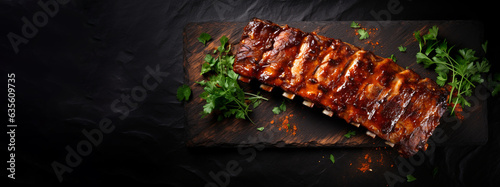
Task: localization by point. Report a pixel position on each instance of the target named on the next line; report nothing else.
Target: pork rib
(392, 102)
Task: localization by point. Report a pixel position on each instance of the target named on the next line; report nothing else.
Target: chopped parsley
(410, 178)
(183, 93)
(402, 49)
(355, 25)
(495, 84)
(281, 108)
(349, 134)
(204, 38)
(393, 58)
(363, 34)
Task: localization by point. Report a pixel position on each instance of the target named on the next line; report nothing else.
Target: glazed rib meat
(392, 102)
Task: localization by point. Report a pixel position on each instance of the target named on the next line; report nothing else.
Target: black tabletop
(95, 87)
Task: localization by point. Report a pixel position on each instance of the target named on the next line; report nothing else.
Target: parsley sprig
(183, 93)
(462, 73)
(221, 91)
(355, 25)
(363, 34)
(349, 134)
(204, 38)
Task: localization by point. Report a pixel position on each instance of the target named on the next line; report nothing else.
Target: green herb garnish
(402, 49)
(435, 172)
(410, 178)
(349, 134)
(393, 58)
(183, 93)
(363, 34)
(462, 73)
(355, 25)
(221, 91)
(485, 46)
(260, 128)
(332, 159)
(204, 38)
(281, 108)
(495, 84)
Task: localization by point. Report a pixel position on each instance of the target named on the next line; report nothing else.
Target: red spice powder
(286, 126)
(367, 162)
(364, 167)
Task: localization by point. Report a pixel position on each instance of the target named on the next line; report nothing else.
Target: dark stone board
(314, 129)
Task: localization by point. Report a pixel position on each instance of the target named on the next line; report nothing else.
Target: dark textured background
(92, 53)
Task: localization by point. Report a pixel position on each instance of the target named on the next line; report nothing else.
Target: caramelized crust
(394, 103)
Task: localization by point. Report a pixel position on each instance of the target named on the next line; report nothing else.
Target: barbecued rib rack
(366, 90)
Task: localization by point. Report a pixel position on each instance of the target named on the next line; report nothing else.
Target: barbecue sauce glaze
(394, 103)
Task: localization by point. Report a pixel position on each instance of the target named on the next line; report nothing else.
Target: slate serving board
(308, 127)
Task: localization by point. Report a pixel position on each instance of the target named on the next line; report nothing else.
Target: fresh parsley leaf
(240, 114)
(468, 55)
(402, 49)
(281, 108)
(204, 38)
(441, 79)
(223, 40)
(276, 110)
(349, 134)
(260, 128)
(484, 46)
(332, 159)
(256, 103)
(495, 84)
(435, 172)
(355, 25)
(393, 58)
(209, 63)
(422, 58)
(476, 78)
(419, 40)
(410, 178)
(183, 93)
(363, 34)
(432, 35)
(205, 68)
(484, 66)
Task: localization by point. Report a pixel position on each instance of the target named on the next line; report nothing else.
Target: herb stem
(458, 94)
(256, 96)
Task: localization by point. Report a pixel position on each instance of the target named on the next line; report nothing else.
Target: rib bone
(266, 88)
(308, 103)
(289, 95)
(371, 134)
